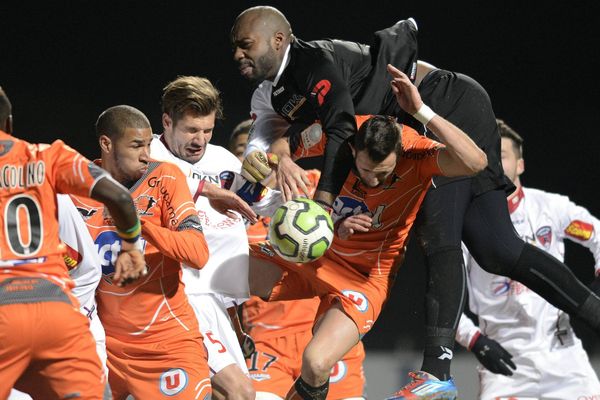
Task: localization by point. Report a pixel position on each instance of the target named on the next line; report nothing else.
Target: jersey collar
(284, 64)
(515, 199)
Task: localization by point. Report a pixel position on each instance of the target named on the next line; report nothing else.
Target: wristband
(424, 114)
(132, 234)
(325, 206)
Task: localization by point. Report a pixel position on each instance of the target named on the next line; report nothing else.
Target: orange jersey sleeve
(30, 177)
(187, 245)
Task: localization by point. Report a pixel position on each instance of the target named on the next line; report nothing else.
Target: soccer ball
(300, 230)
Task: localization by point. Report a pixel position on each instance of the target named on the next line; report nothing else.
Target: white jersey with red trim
(508, 311)
(226, 272)
(537, 334)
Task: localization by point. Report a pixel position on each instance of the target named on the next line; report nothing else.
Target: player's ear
(9, 124)
(278, 40)
(105, 144)
(520, 166)
(166, 121)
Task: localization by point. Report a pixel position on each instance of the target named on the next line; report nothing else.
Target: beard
(263, 66)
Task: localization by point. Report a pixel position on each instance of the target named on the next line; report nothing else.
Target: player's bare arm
(461, 155)
(225, 201)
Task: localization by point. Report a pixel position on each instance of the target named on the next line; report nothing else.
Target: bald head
(259, 37)
(265, 19)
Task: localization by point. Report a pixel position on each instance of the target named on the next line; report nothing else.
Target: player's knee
(316, 367)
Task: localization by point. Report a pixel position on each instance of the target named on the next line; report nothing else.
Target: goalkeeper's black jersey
(332, 80)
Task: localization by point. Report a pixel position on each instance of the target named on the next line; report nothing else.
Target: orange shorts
(277, 363)
(48, 351)
(333, 279)
(176, 368)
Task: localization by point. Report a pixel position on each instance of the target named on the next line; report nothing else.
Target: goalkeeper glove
(493, 356)
(257, 165)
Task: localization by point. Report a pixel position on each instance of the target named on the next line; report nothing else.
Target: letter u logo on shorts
(173, 381)
(360, 300)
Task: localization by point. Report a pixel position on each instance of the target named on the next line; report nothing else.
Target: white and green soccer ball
(300, 230)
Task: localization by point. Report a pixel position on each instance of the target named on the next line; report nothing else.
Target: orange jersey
(30, 177)
(152, 305)
(393, 206)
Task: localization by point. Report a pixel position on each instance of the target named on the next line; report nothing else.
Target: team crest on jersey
(86, 213)
(144, 203)
(360, 300)
(501, 287)
(108, 246)
(173, 381)
(580, 230)
(226, 178)
(346, 206)
(544, 236)
(338, 372)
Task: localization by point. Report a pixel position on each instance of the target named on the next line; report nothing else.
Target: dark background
(62, 65)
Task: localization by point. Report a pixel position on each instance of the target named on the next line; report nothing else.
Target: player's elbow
(478, 163)
(199, 257)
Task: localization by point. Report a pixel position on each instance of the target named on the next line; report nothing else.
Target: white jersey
(226, 272)
(525, 324)
(83, 258)
(85, 267)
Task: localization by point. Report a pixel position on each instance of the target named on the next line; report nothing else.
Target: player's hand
(493, 356)
(130, 264)
(352, 224)
(258, 165)
(225, 201)
(292, 180)
(247, 344)
(407, 94)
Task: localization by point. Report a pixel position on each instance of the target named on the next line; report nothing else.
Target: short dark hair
(114, 120)
(506, 131)
(240, 129)
(5, 108)
(379, 136)
(191, 93)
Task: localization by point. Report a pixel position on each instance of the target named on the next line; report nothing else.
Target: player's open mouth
(196, 151)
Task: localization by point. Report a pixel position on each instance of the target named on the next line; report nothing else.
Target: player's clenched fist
(130, 265)
(257, 165)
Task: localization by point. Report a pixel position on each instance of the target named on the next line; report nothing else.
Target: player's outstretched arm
(461, 155)
(225, 201)
(130, 264)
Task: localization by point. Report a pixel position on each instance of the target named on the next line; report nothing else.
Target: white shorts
(561, 374)
(91, 312)
(219, 337)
